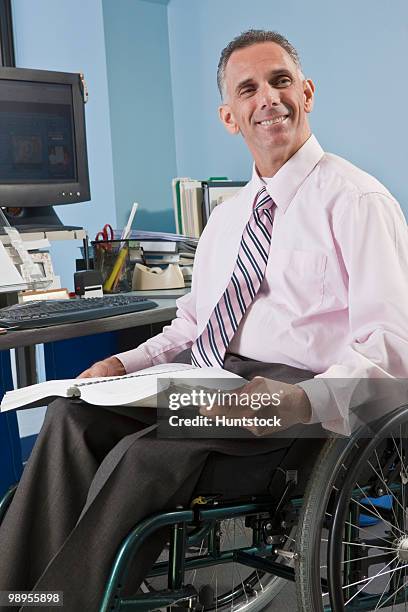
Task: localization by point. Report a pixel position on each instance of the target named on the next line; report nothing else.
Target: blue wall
(141, 110)
(153, 103)
(151, 67)
(69, 36)
(354, 51)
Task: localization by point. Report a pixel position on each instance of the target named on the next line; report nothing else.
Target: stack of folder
(157, 251)
(194, 201)
(161, 249)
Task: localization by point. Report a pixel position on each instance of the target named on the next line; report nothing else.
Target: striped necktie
(210, 347)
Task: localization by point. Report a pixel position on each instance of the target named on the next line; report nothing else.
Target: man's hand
(288, 403)
(108, 367)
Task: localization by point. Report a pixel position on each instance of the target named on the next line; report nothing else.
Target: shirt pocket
(296, 280)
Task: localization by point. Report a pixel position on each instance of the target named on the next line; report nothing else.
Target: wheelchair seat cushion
(253, 474)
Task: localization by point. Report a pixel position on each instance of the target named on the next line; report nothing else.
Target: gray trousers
(94, 474)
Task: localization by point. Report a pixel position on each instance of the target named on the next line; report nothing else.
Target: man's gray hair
(246, 39)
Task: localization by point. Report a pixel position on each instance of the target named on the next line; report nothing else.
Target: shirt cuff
(134, 360)
(324, 406)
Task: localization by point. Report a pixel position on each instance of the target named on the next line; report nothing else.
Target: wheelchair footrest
(159, 599)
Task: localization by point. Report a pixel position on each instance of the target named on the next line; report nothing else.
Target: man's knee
(64, 410)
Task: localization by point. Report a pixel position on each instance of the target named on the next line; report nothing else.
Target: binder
(177, 203)
(215, 192)
(194, 201)
(191, 196)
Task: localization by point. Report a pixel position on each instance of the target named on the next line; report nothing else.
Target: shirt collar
(283, 186)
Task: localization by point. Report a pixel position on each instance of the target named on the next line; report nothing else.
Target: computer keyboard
(42, 313)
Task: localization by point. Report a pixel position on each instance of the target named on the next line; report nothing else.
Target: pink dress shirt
(334, 299)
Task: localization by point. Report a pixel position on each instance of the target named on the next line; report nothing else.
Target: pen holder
(111, 259)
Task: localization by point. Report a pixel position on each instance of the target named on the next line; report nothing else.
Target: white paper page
(131, 387)
(134, 389)
(29, 269)
(119, 390)
(34, 393)
(9, 276)
(19, 398)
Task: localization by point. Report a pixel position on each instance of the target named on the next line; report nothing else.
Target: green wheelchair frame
(253, 556)
(257, 510)
(333, 501)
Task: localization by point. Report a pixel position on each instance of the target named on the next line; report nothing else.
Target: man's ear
(227, 118)
(308, 92)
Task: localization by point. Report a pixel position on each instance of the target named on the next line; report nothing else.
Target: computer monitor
(43, 157)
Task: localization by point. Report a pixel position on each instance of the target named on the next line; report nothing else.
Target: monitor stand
(38, 218)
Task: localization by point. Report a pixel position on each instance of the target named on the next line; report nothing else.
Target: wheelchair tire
(349, 478)
(309, 529)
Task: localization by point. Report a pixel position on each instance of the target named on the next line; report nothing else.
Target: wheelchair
(342, 537)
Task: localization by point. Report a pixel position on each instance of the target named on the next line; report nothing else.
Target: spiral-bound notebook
(138, 389)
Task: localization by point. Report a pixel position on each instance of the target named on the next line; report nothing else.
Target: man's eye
(283, 81)
(247, 90)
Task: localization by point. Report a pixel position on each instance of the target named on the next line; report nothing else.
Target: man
(304, 271)
(335, 294)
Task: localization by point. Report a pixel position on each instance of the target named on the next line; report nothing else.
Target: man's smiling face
(267, 100)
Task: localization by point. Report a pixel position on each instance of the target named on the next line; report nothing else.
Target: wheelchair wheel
(352, 538)
(229, 586)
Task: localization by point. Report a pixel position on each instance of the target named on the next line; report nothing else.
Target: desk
(24, 341)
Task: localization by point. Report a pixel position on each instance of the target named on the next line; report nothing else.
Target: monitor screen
(36, 138)
(43, 157)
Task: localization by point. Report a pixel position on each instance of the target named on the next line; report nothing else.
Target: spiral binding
(126, 376)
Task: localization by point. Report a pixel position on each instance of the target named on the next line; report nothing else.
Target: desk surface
(165, 311)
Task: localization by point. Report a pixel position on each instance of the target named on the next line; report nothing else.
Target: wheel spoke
(371, 546)
(380, 573)
(216, 591)
(403, 478)
(369, 478)
(366, 531)
(358, 559)
(368, 580)
(383, 593)
(195, 571)
(259, 581)
(237, 566)
(399, 455)
(395, 594)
